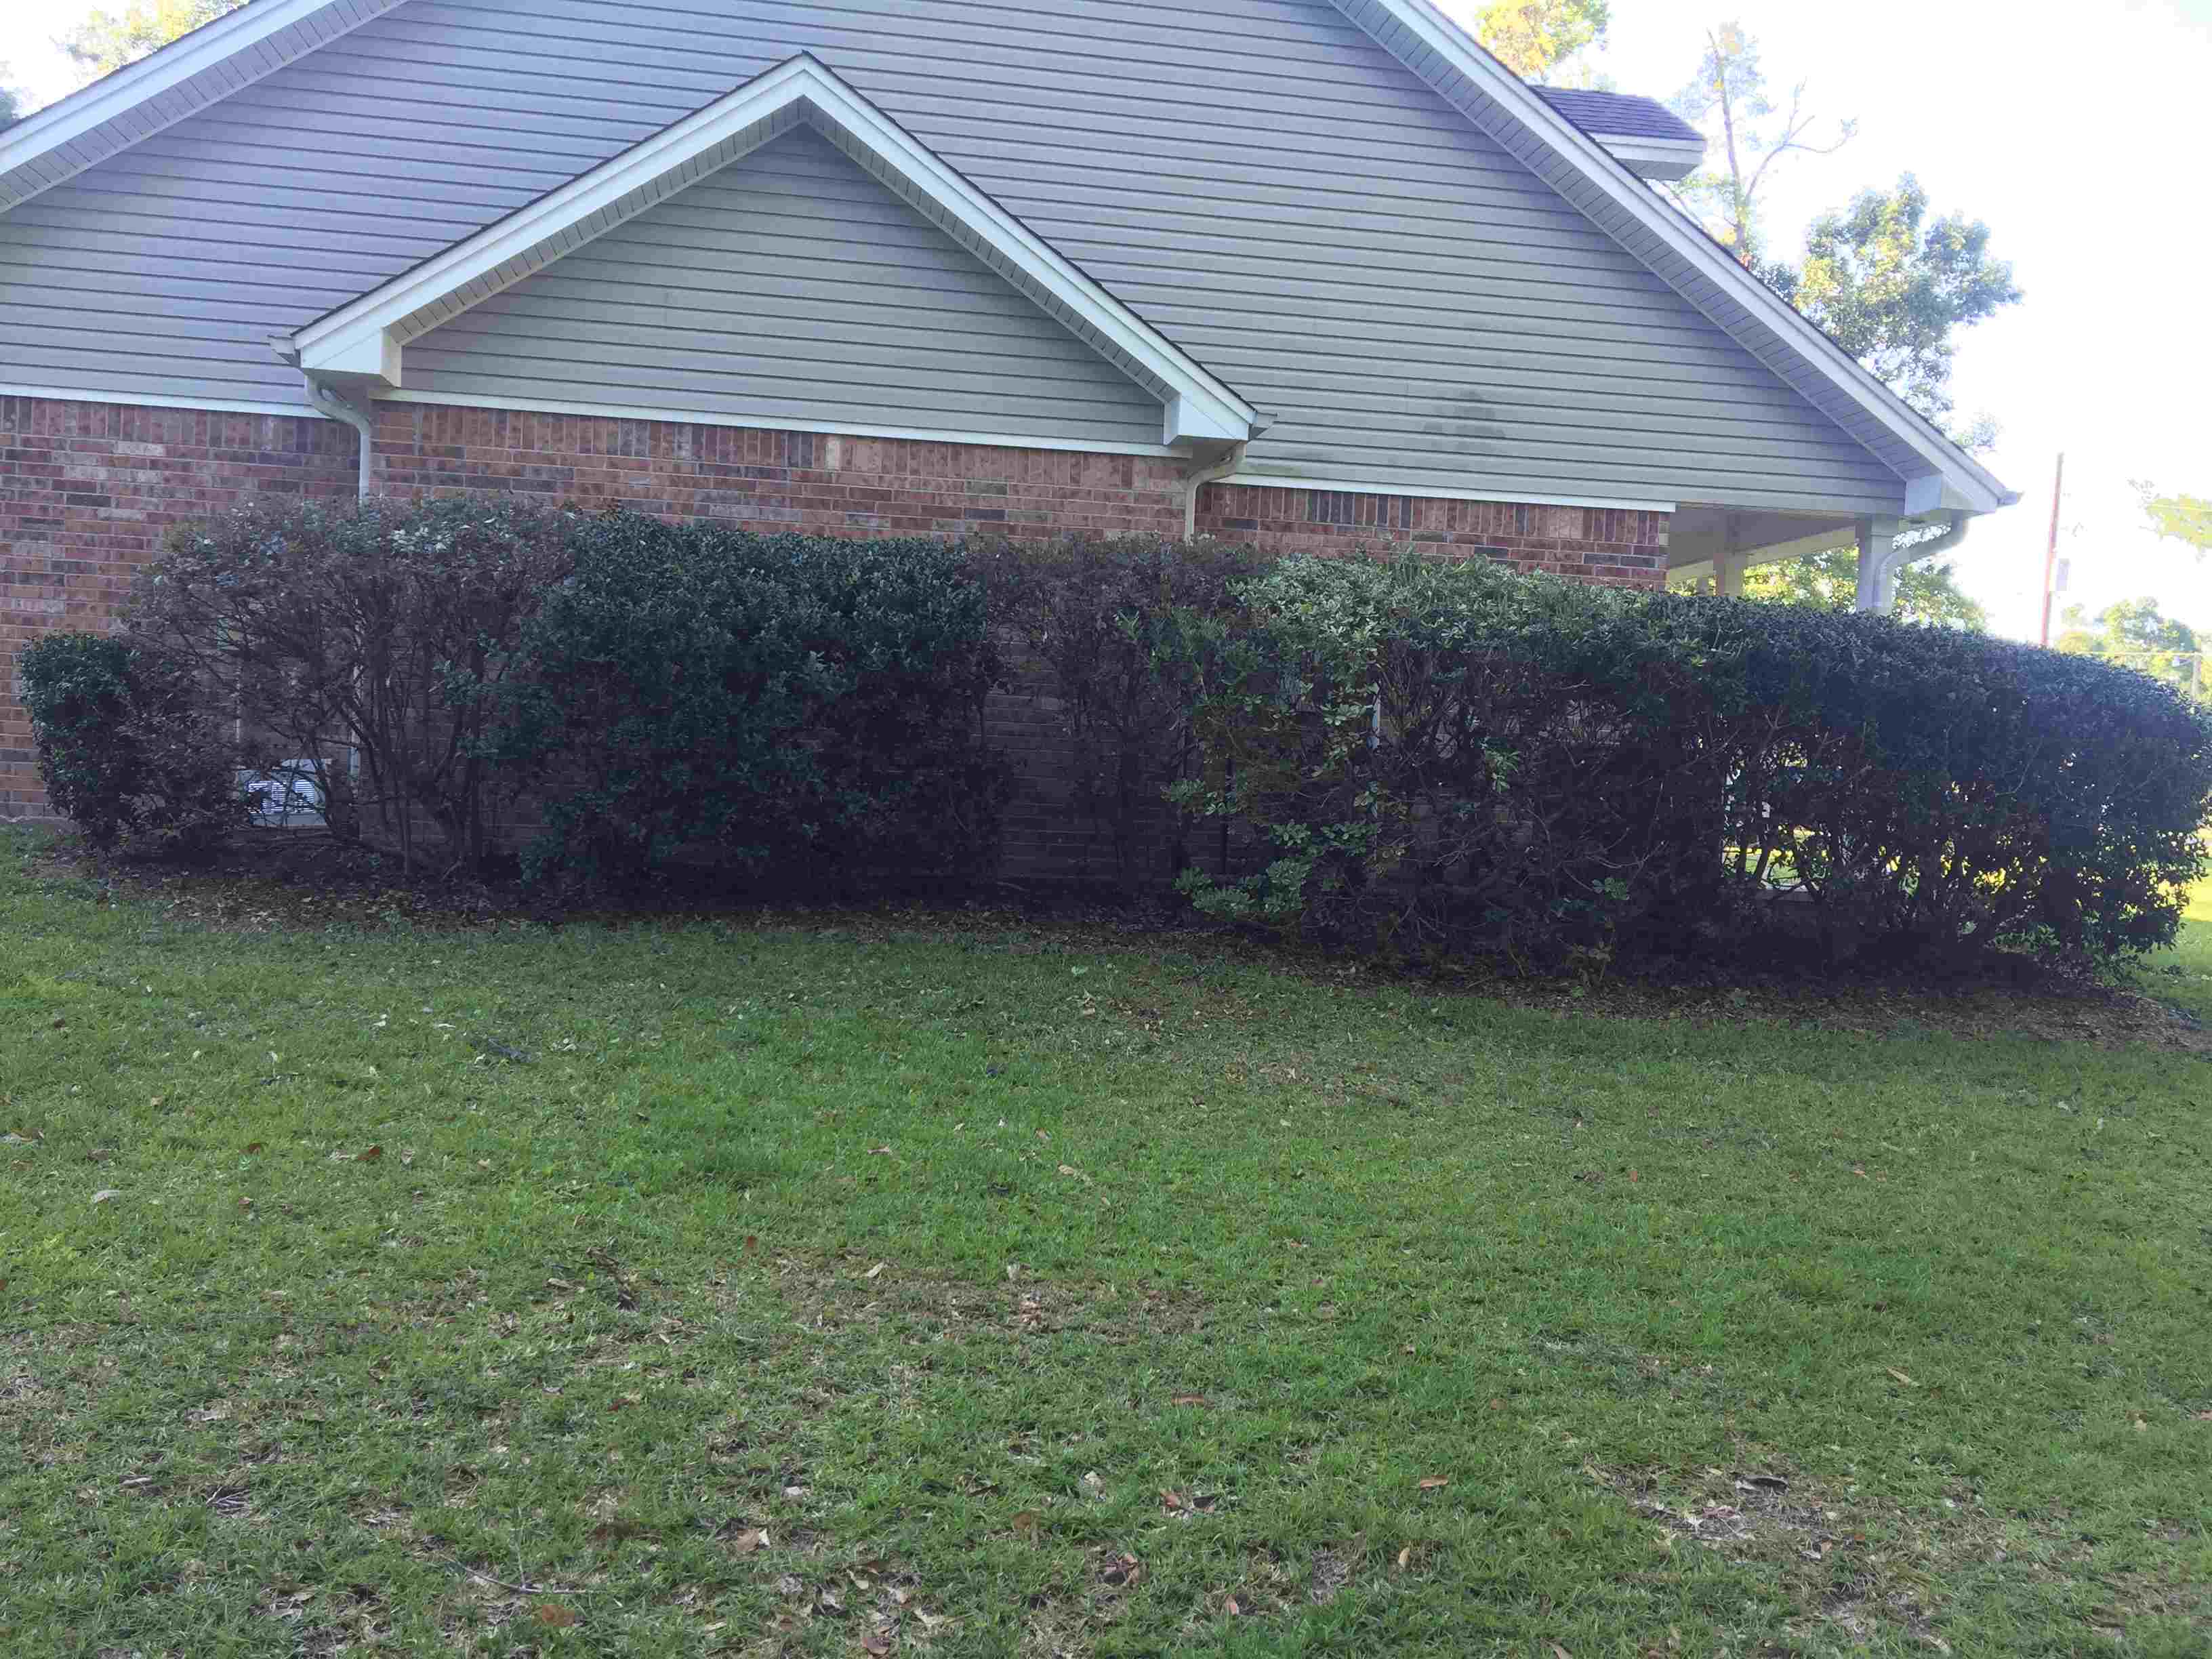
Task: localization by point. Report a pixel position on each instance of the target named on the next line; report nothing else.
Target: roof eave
(1662, 160)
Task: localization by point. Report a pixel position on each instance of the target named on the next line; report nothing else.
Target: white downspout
(337, 408)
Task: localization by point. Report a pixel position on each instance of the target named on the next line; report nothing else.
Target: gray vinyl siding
(1256, 179)
(789, 285)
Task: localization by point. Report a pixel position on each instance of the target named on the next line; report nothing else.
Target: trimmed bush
(126, 750)
(787, 702)
(1448, 759)
(370, 642)
(1098, 620)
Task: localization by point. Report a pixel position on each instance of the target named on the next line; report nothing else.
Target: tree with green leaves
(11, 101)
(2138, 635)
(1533, 38)
(1893, 287)
(1728, 101)
(107, 40)
(2183, 518)
(1927, 593)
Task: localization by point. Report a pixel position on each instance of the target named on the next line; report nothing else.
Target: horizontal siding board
(578, 330)
(1256, 179)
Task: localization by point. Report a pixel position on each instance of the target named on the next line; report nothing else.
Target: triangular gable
(363, 344)
(162, 89)
(789, 289)
(1938, 474)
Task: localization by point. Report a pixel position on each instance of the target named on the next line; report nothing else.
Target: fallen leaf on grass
(1558, 1652)
(875, 1645)
(1432, 1482)
(1171, 1501)
(1029, 1523)
(557, 1618)
(371, 1155)
(1121, 1569)
(106, 1193)
(1187, 1400)
(1405, 1555)
(752, 1243)
(876, 1270)
(1901, 1376)
(753, 1538)
(879, 1151)
(252, 1147)
(101, 1154)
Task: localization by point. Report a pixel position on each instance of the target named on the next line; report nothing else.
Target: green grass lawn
(906, 1287)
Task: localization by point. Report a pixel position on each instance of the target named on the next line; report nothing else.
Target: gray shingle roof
(1619, 114)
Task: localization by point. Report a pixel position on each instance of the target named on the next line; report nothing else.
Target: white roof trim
(191, 72)
(365, 341)
(1583, 169)
(1665, 159)
(153, 400)
(761, 422)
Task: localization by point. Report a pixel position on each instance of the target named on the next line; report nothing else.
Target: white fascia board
(153, 400)
(767, 422)
(128, 88)
(1434, 47)
(1517, 497)
(1197, 406)
(1662, 159)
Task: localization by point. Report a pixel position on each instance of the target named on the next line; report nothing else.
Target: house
(1310, 272)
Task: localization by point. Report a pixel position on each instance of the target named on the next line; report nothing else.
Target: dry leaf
(252, 1147)
(875, 1645)
(1230, 1608)
(1558, 1652)
(1028, 1523)
(558, 1618)
(101, 1154)
(1122, 1570)
(1171, 1501)
(1404, 1556)
(1901, 1376)
(106, 1193)
(1042, 1135)
(879, 1151)
(1187, 1400)
(876, 1270)
(749, 1540)
(1013, 1270)
(372, 1155)
(1432, 1482)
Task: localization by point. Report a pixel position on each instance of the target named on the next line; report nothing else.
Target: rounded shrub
(787, 702)
(125, 748)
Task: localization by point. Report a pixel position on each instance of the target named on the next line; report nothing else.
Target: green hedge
(1427, 758)
(791, 701)
(1442, 759)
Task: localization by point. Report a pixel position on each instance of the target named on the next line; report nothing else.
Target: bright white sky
(2077, 134)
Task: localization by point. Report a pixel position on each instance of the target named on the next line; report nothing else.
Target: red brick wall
(88, 490)
(818, 482)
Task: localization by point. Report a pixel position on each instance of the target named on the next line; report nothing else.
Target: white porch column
(1879, 563)
(1728, 560)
